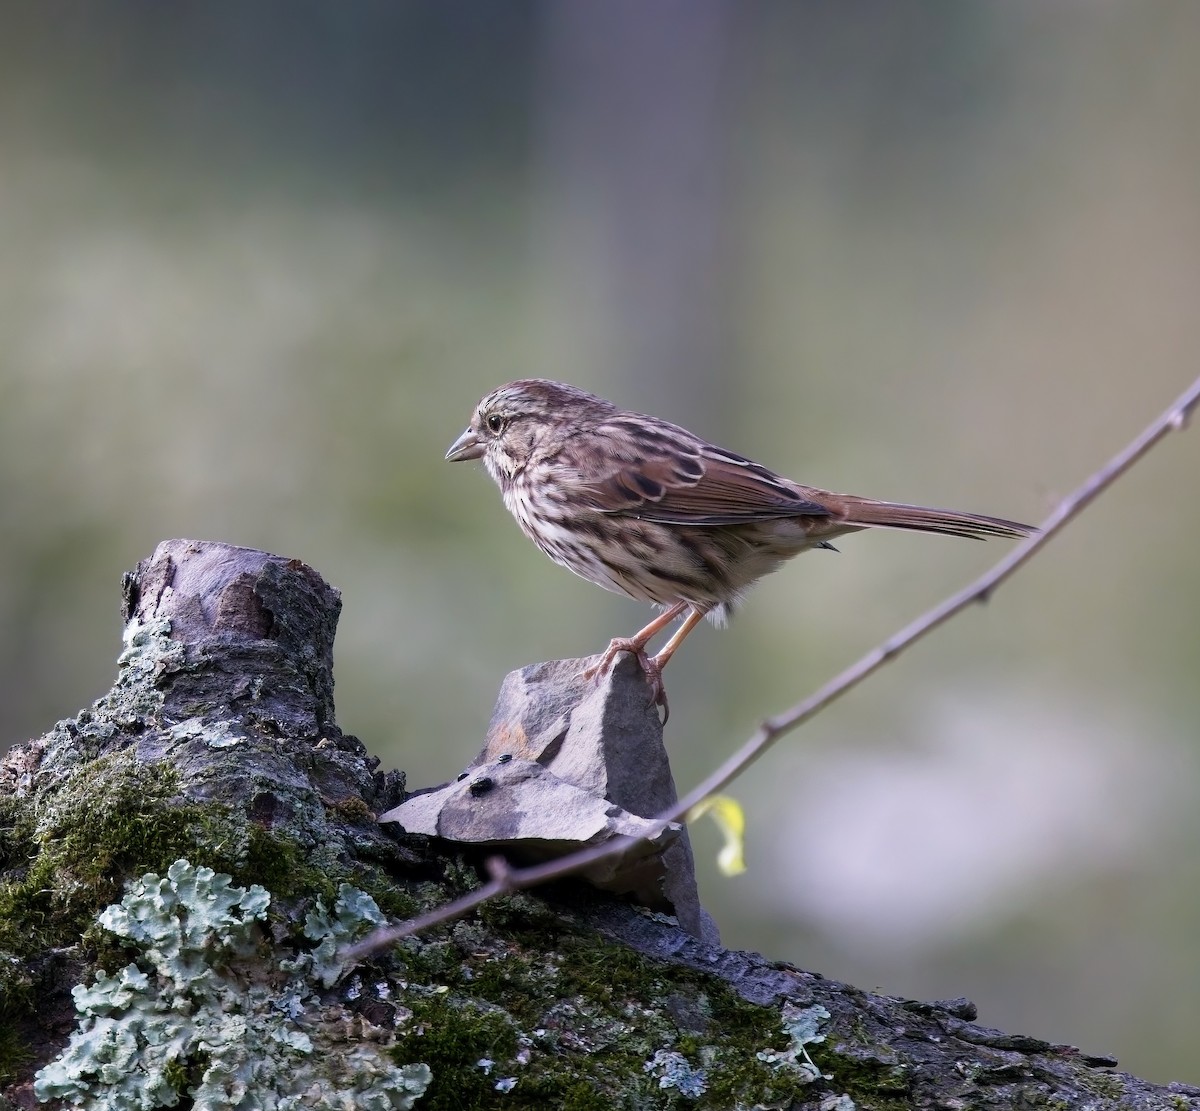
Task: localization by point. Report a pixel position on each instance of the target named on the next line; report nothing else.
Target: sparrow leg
(651, 665)
(668, 650)
(636, 645)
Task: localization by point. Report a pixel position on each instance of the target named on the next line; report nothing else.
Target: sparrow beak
(467, 446)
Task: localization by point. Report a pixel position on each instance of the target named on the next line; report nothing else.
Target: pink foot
(649, 665)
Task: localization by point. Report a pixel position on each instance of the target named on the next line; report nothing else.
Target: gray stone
(533, 815)
(604, 736)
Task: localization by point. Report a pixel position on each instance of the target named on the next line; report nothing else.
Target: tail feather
(864, 513)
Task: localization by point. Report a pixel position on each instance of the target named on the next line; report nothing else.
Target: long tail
(865, 513)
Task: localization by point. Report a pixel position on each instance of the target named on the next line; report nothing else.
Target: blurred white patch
(998, 804)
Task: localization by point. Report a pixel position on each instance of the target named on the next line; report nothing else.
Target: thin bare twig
(505, 879)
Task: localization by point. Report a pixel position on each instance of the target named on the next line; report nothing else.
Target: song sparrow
(649, 510)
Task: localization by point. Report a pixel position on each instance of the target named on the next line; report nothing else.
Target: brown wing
(659, 472)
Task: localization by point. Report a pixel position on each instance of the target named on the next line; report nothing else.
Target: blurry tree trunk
(629, 228)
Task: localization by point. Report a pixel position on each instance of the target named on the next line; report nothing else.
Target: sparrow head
(514, 423)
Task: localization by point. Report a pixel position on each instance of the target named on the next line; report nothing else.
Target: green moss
(575, 1021)
(354, 809)
(16, 833)
(519, 915)
(119, 819)
(604, 971)
(14, 1054)
(452, 1038)
(278, 862)
(1106, 1084)
(124, 818)
(570, 1095)
(394, 900)
(871, 1080)
(612, 976)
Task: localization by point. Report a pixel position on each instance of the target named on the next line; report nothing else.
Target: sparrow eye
(495, 422)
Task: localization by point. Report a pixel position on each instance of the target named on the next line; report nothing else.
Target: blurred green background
(258, 263)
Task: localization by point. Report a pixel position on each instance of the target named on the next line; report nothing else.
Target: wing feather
(658, 472)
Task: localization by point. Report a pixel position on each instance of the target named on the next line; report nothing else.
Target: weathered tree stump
(218, 745)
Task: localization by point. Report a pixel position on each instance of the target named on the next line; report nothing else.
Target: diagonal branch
(504, 879)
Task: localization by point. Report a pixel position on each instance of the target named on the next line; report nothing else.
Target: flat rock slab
(520, 807)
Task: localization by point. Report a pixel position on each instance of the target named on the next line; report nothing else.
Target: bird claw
(650, 666)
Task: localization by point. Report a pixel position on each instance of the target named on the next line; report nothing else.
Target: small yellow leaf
(731, 820)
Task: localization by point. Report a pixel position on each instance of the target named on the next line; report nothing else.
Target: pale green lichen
(146, 646)
(205, 1013)
(802, 1025)
(217, 734)
(354, 913)
(673, 1071)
